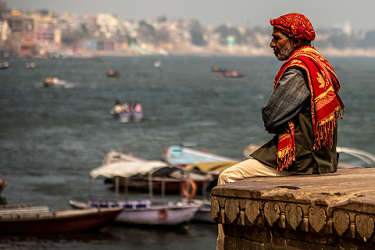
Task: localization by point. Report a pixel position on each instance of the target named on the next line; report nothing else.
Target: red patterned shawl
(326, 104)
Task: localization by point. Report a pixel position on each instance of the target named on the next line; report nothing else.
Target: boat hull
(60, 222)
(61, 84)
(203, 216)
(122, 117)
(128, 116)
(151, 216)
(145, 212)
(137, 116)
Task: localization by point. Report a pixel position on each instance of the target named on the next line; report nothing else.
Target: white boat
(126, 113)
(54, 82)
(157, 64)
(204, 212)
(117, 156)
(146, 211)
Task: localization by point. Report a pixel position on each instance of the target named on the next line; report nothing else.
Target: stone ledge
(339, 205)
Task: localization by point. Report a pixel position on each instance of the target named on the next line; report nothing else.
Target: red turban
(295, 25)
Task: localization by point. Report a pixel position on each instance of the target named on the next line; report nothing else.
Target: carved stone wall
(257, 216)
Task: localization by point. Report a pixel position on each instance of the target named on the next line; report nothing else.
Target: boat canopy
(126, 169)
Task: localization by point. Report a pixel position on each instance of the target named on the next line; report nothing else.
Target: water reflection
(118, 236)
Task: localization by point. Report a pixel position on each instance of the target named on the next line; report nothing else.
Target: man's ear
(296, 42)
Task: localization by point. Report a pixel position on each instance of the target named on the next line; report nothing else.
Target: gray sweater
(286, 101)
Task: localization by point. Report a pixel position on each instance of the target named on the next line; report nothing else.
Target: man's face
(281, 44)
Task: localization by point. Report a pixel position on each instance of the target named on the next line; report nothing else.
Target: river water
(50, 139)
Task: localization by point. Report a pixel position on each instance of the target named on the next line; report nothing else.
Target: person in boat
(118, 108)
(137, 107)
(302, 111)
(128, 107)
(55, 80)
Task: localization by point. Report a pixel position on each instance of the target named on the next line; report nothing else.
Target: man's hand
(286, 129)
(279, 130)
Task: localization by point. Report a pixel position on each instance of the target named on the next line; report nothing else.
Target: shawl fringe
(325, 131)
(285, 157)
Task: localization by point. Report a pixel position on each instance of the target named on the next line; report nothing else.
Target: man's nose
(272, 44)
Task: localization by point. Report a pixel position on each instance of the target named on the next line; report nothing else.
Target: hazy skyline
(251, 13)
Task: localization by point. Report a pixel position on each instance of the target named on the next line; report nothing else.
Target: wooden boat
(126, 113)
(183, 156)
(230, 74)
(147, 212)
(218, 69)
(4, 65)
(41, 220)
(53, 82)
(168, 179)
(204, 212)
(3, 184)
(142, 212)
(112, 73)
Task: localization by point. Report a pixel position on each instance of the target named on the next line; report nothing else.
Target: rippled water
(50, 139)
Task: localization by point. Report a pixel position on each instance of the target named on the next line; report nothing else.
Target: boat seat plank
(27, 216)
(21, 211)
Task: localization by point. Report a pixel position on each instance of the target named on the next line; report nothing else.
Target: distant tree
(43, 12)
(196, 33)
(197, 37)
(226, 31)
(131, 40)
(161, 36)
(68, 38)
(368, 40)
(84, 28)
(321, 44)
(146, 32)
(340, 41)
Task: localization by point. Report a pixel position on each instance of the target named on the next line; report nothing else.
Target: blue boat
(182, 156)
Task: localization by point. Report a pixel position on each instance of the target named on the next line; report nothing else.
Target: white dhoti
(243, 170)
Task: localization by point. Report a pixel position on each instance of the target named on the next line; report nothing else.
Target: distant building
(27, 41)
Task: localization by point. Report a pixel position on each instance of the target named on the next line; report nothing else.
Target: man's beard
(284, 53)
